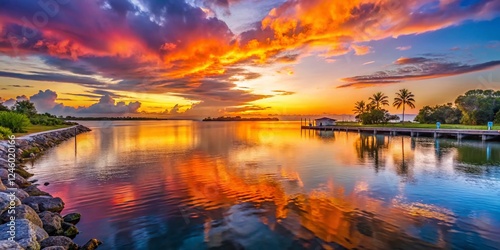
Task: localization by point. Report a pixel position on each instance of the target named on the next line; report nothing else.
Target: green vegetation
(479, 106)
(25, 107)
(403, 98)
(23, 118)
(40, 128)
(14, 121)
(5, 133)
(373, 113)
(419, 125)
(475, 107)
(46, 119)
(27, 153)
(445, 114)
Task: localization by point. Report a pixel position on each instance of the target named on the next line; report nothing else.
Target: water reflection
(258, 185)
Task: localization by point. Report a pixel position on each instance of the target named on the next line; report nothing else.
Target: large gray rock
(27, 234)
(62, 241)
(34, 191)
(54, 248)
(8, 200)
(22, 172)
(72, 218)
(70, 230)
(10, 245)
(4, 173)
(91, 244)
(21, 194)
(21, 181)
(9, 184)
(44, 203)
(22, 212)
(52, 222)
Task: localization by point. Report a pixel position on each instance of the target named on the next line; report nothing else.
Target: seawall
(29, 217)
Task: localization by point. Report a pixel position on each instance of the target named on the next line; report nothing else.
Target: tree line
(373, 112)
(21, 115)
(475, 107)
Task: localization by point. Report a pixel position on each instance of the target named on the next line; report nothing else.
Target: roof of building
(325, 118)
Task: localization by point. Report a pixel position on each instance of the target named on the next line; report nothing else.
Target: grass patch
(30, 129)
(418, 125)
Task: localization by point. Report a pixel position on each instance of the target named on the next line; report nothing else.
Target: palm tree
(379, 99)
(359, 107)
(404, 97)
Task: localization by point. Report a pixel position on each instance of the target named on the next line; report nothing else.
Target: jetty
(415, 132)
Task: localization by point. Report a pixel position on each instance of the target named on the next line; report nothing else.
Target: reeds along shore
(29, 217)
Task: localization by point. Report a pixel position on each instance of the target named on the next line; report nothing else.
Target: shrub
(16, 122)
(4, 133)
(45, 119)
(27, 153)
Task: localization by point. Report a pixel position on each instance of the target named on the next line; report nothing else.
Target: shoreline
(29, 217)
(459, 134)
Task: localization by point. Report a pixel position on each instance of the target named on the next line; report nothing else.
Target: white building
(325, 121)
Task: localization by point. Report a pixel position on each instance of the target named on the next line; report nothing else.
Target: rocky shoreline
(30, 218)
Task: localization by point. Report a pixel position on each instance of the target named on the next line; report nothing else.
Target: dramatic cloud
(10, 102)
(45, 101)
(416, 68)
(53, 77)
(181, 48)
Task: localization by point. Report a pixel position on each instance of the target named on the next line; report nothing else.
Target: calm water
(260, 185)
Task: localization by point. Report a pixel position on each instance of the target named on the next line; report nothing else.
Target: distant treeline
(473, 108)
(238, 118)
(125, 118)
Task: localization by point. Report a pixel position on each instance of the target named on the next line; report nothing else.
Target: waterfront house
(325, 121)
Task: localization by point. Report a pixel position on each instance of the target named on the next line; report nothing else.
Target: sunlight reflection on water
(270, 185)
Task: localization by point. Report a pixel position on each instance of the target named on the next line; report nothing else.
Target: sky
(198, 58)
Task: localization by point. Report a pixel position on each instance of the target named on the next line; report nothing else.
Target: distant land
(238, 118)
(126, 118)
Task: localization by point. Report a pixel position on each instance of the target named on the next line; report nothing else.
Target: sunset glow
(193, 59)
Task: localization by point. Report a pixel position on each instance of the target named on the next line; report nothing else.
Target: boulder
(62, 241)
(54, 248)
(22, 172)
(2, 187)
(91, 244)
(34, 191)
(21, 181)
(22, 212)
(19, 193)
(44, 203)
(72, 218)
(4, 173)
(9, 184)
(52, 222)
(8, 200)
(10, 245)
(27, 234)
(70, 230)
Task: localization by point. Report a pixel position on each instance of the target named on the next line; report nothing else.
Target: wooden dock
(415, 132)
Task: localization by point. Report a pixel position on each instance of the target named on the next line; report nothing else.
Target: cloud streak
(416, 68)
(177, 48)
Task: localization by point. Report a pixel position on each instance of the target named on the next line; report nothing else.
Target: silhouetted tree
(404, 97)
